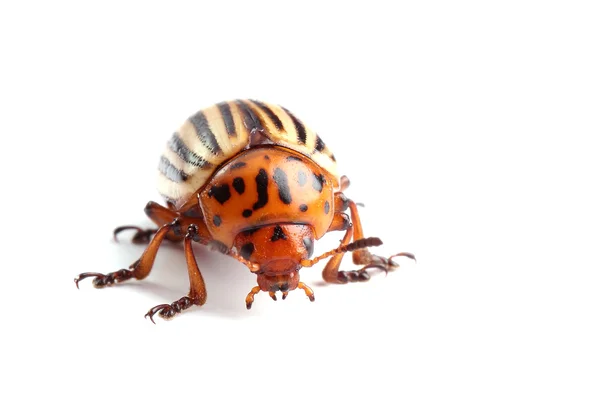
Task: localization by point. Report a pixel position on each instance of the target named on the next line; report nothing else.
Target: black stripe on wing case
(251, 120)
(205, 134)
(272, 116)
(320, 145)
(170, 171)
(177, 145)
(227, 118)
(300, 129)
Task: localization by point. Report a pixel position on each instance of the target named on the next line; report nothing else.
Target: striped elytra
(216, 134)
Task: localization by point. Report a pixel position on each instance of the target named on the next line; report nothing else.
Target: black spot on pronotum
(246, 213)
(303, 207)
(237, 165)
(247, 250)
(301, 178)
(238, 185)
(310, 246)
(262, 183)
(281, 180)
(267, 157)
(220, 192)
(217, 220)
(278, 234)
(318, 181)
(326, 207)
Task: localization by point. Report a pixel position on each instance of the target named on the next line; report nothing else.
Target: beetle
(252, 181)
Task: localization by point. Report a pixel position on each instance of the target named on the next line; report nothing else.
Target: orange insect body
(270, 204)
(250, 180)
(265, 186)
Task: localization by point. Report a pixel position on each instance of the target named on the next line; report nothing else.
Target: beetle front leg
(197, 293)
(364, 256)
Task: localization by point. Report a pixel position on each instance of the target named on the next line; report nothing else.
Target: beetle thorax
(278, 249)
(266, 186)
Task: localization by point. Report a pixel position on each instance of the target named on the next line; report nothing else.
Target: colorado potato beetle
(252, 181)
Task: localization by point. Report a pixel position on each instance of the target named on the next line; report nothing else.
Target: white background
(469, 129)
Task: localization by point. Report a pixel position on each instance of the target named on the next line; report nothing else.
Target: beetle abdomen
(215, 134)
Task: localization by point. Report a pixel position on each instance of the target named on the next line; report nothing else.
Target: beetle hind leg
(160, 216)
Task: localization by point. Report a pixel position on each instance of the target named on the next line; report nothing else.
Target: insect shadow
(227, 281)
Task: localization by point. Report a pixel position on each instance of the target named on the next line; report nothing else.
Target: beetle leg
(197, 293)
(340, 222)
(344, 183)
(331, 272)
(362, 256)
(139, 269)
(159, 215)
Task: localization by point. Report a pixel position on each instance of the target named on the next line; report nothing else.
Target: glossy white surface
(467, 129)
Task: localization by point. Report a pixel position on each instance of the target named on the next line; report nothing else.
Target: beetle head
(276, 253)
(284, 282)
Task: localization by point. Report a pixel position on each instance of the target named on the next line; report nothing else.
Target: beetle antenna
(253, 267)
(221, 248)
(359, 244)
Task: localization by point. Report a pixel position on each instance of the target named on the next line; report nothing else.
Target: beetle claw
(273, 296)
(407, 255)
(103, 280)
(377, 266)
(372, 261)
(154, 310)
(168, 311)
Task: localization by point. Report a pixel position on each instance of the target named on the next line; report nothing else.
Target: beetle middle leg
(139, 269)
(197, 293)
(363, 256)
(173, 226)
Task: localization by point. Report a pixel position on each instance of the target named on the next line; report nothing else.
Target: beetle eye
(309, 244)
